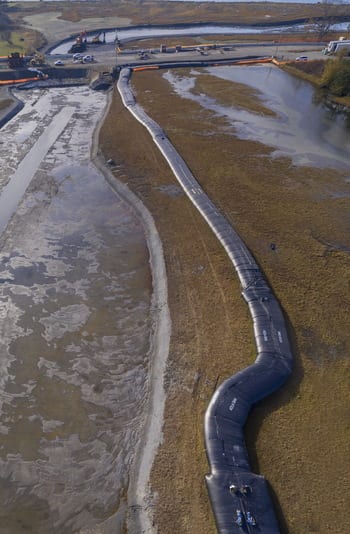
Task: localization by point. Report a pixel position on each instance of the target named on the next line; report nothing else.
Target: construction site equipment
(15, 60)
(80, 44)
(38, 59)
(96, 39)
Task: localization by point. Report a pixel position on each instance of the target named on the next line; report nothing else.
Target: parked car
(88, 59)
(301, 58)
(77, 56)
(59, 63)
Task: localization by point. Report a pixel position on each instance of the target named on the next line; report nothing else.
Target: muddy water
(129, 34)
(74, 329)
(303, 129)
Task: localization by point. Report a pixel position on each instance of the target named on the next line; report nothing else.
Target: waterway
(130, 34)
(74, 331)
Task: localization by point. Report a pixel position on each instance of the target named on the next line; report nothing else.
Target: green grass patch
(21, 40)
(333, 75)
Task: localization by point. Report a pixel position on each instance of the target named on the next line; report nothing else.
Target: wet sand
(75, 307)
(139, 516)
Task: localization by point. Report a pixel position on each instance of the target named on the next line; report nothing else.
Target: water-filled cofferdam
(240, 499)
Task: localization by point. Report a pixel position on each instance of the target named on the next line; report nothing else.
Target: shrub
(336, 76)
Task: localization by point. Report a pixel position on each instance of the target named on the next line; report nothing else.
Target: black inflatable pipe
(240, 499)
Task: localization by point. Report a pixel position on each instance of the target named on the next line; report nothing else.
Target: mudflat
(298, 437)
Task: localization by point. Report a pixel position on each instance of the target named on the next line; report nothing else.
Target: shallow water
(74, 308)
(129, 34)
(304, 129)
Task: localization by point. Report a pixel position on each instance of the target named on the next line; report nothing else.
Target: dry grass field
(153, 12)
(298, 438)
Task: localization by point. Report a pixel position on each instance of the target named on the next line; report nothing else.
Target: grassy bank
(267, 199)
(324, 75)
(21, 40)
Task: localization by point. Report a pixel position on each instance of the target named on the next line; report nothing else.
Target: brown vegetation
(152, 12)
(333, 75)
(298, 438)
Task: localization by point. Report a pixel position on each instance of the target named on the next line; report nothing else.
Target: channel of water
(75, 294)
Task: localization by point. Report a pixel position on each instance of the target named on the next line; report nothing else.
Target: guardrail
(240, 499)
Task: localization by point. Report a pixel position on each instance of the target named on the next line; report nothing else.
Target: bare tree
(330, 12)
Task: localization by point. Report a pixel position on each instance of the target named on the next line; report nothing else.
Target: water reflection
(74, 329)
(305, 130)
(129, 34)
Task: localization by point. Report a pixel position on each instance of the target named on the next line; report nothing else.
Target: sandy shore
(140, 506)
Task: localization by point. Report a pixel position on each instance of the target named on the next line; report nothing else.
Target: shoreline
(139, 502)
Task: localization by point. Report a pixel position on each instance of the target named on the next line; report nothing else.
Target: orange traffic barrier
(250, 61)
(149, 67)
(21, 80)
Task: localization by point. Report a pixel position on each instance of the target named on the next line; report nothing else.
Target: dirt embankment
(297, 438)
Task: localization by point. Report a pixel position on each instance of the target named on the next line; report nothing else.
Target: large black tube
(240, 499)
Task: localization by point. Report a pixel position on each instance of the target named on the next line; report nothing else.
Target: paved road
(106, 55)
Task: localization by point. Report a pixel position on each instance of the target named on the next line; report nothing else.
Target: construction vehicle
(37, 60)
(80, 44)
(16, 60)
(96, 39)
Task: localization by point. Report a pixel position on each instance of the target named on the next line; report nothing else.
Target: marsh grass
(298, 438)
(150, 12)
(230, 94)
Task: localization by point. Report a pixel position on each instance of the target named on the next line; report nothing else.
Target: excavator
(96, 39)
(38, 59)
(80, 44)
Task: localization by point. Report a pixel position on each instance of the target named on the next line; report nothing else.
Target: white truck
(334, 47)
